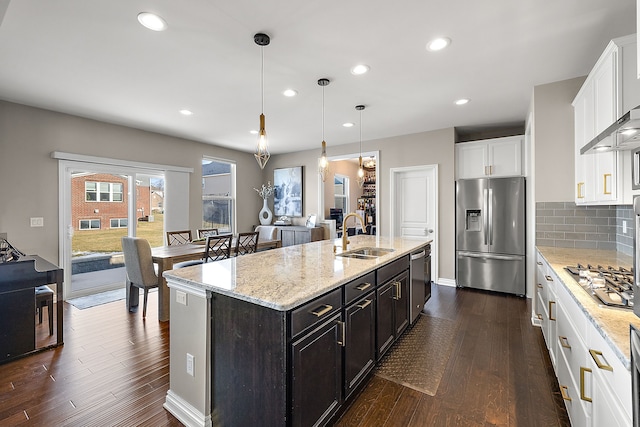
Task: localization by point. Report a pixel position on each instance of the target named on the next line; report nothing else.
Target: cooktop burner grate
(610, 286)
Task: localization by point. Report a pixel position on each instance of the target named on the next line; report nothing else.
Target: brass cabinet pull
(318, 312)
(343, 329)
(595, 354)
(606, 177)
(580, 192)
(582, 395)
(564, 342)
(485, 170)
(550, 316)
(365, 304)
(549, 278)
(398, 287)
(563, 391)
(363, 286)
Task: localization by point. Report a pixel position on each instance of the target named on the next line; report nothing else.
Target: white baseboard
(446, 282)
(185, 412)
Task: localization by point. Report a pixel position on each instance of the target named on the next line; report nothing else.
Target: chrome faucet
(345, 239)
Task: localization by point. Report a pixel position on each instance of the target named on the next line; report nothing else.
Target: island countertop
(287, 277)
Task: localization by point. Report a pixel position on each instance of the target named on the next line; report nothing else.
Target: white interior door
(414, 205)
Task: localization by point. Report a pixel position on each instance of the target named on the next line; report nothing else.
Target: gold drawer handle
(549, 278)
(365, 304)
(582, 395)
(606, 177)
(564, 391)
(321, 312)
(580, 192)
(363, 286)
(550, 316)
(564, 342)
(596, 358)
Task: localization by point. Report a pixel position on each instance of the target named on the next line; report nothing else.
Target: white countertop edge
(621, 356)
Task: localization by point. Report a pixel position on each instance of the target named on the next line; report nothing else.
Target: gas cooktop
(610, 286)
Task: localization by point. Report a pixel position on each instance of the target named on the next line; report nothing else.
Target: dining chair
(218, 247)
(206, 232)
(139, 267)
(246, 243)
(178, 237)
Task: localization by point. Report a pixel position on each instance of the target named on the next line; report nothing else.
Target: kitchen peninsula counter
(612, 323)
(237, 336)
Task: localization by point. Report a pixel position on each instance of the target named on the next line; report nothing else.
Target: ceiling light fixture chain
(323, 163)
(262, 154)
(361, 175)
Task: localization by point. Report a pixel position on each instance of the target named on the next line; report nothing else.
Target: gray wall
(29, 176)
(553, 134)
(426, 148)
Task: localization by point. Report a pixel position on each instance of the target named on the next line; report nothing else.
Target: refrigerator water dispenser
(474, 220)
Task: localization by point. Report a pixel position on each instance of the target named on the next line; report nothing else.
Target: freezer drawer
(501, 273)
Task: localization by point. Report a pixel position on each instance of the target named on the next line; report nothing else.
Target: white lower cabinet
(595, 385)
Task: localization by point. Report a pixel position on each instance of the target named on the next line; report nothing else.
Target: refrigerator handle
(485, 216)
(490, 205)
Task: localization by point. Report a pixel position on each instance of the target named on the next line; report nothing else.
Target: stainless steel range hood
(624, 134)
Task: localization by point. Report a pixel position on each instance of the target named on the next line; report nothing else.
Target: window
(341, 192)
(89, 224)
(103, 191)
(218, 195)
(119, 223)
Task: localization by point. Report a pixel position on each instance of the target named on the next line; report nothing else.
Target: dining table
(167, 256)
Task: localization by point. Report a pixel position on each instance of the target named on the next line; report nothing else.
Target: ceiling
(93, 59)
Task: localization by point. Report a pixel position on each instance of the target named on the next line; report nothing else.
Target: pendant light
(262, 148)
(360, 179)
(323, 163)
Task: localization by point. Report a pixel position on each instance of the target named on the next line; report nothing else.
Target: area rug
(98, 299)
(430, 339)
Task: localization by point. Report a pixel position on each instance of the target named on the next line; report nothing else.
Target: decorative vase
(265, 214)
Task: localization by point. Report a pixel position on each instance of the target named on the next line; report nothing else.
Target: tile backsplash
(563, 224)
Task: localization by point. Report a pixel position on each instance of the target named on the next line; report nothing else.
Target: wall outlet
(190, 361)
(37, 222)
(624, 227)
(181, 297)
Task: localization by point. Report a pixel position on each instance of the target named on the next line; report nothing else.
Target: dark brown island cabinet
(298, 368)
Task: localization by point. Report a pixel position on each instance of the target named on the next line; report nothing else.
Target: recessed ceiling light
(438, 44)
(152, 21)
(253, 132)
(462, 101)
(185, 112)
(360, 69)
(290, 92)
(348, 125)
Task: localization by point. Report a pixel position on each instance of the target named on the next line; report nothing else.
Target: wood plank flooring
(114, 370)
(499, 372)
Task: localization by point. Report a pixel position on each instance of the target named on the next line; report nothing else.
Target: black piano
(19, 279)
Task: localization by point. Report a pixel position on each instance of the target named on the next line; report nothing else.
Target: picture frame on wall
(287, 196)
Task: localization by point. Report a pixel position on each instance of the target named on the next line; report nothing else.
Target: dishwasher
(418, 276)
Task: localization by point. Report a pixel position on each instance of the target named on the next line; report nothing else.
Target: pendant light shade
(262, 148)
(361, 178)
(323, 163)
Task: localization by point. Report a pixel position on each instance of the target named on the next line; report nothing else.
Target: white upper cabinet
(497, 157)
(610, 90)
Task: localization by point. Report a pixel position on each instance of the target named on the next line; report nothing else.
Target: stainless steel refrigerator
(490, 234)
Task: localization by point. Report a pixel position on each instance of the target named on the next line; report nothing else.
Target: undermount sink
(365, 253)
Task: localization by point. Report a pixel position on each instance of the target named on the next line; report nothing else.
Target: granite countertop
(612, 323)
(285, 278)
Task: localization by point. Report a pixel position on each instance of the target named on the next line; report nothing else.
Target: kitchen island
(264, 339)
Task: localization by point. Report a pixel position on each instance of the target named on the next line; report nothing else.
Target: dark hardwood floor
(114, 370)
(499, 372)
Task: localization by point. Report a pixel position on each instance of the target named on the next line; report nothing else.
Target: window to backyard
(218, 196)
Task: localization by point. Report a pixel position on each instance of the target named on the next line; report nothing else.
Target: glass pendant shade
(360, 179)
(323, 163)
(262, 149)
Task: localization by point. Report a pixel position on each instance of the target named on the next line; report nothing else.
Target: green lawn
(109, 240)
